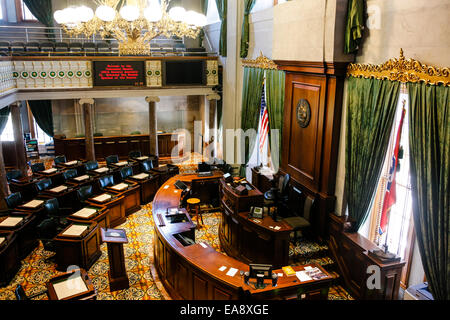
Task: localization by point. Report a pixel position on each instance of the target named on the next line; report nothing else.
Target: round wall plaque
(303, 113)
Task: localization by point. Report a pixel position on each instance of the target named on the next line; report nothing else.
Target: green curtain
(245, 36)
(43, 11)
(4, 115)
(275, 88)
(371, 106)
(429, 141)
(355, 26)
(42, 112)
(222, 9)
(251, 107)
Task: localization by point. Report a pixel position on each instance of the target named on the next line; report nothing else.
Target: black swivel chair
(105, 181)
(60, 160)
(32, 48)
(91, 165)
(59, 214)
(89, 48)
(278, 197)
(43, 185)
(103, 49)
(75, 48)
(61, 48)
(37, 167)
(112, 159)
(17, 48)
(83, 194)
(13, 174)
(134, 154)
(21, 295)
(146, 165)
(70, 174)
(14, 200)
(301, 221)
(126, 172)
(47, 47)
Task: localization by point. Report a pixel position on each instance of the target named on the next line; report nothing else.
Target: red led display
(119, 71)
(110, 73)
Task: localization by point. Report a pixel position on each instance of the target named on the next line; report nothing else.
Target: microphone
(246, 277)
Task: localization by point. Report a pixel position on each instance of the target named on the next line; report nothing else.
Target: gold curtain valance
(401, 70)
(261, 62)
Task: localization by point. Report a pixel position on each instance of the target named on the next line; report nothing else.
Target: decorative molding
(261, 62)
(212, 73)
(401, 70)
(152, 99)
(86, 101)
(215, 96)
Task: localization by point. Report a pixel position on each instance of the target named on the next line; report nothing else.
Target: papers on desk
(71, 286)
(81, 178)
(101, 170)
(120, 164)
(222, 268)
(302, 276)
(85, 213)
(59, 189)
(2, 240)
(166, 187)
(141, 176)
(120, 186)
(75, 230)
(11, 222)
(33, 203)
(203, 245)
(142, 158)
(48, 171)
(232, 272)
(102, 198)
(71, 163)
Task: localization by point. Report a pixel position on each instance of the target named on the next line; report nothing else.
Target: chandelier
(133, 25)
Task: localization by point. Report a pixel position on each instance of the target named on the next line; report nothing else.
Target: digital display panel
(190, 72)
(126, 73)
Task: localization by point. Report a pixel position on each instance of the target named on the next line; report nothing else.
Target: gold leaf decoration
(261, 62)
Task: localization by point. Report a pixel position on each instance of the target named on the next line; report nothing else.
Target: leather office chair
(21, 295)
(105, 181)
(69, 174)
(134, 154)
(13, 174)
(146, 165)
(14, 200)
(83, 194)
(37, 167)
(59, 214)
(43, 185)
(278, 197)
(91, 165)
(126, 172)
(301, 221)
(47, 47)
(46, 231)
(112, 159)
(60, 160)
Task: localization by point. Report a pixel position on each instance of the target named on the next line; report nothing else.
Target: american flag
(264, 122)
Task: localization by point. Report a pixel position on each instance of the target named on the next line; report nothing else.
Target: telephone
(256, 212)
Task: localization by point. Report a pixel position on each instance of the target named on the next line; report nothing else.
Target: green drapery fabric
(355, 26)
(275, 88)
(245, 36)
(42, 112)
(371, 106)
(251, 106)
(43, 11)
(4, 115)
(429, 140)
(222, 9)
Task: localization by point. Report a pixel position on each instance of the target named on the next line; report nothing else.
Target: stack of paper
(142, 158)
(120, 186)
(2, 240)
(141, 176)
(102, 198)
(85, 213)
(75, 230)
(11, 222)
(81, 178)
(120, 164)
(70, 287)
(33, 203)
(59, 189)
(48, 171)
(71, 163)
(101, 170)
(231, 272)
(302, 276)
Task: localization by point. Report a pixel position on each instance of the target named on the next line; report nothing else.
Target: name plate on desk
(141, 176)
(11, 222)
(71, 163)
(75, 230)
(102, 198)
(59, 189)
(120, 186)
(81, 178)
(101, 170)
(70, 287)
(121, 164)
(33, 203)
(85, 213)
(50, 171)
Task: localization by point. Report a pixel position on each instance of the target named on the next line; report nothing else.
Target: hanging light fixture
(133, 24)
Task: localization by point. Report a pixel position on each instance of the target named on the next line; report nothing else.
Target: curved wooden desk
(192, 271)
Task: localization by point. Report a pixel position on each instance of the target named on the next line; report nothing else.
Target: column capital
(16, 104)
(214, 96)
(86, 101)
(152, 99)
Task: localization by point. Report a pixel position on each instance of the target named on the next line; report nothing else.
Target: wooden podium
(115, 238)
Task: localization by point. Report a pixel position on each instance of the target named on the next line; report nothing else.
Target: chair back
(146, 165)
(70, 174)
(84, 193)
(36, 167)
(20, 293)
(91, 165)
(106, 181)
(43, 184)
(60, 159)
(308, 207)
(14, 200)
(134, 154)
(47, 229)
(284, 183)
(13, 174)
(126, 172)
(112, 159)
(51, 207)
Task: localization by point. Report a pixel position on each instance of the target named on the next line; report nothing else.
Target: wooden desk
(101, 216)
(25, 186)
(132, 196)
(192, 271)
(117, 274)
(165, 172)
(79, 166)
(73, 285)
(9, 257)
(249, 239)
(149, 186)
(79, 249)
(65, 197)
(56, 177)
(116, 209)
